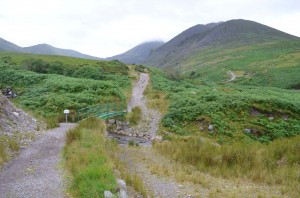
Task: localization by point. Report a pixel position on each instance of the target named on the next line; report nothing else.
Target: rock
(121, 184)
(108, 194)
(271, 118)
(16, 114)
(111, 121)
(158, 138)
(248, 131)
(210, 127)
(119, 123)
(122, 194)
(168, 133)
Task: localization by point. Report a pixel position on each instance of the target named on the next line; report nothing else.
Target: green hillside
(48, 84)
(268, 64)
(236, 112)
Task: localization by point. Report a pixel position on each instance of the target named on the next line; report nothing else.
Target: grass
(3, 153)
(92, 159)
(277, 163)
(229, 109)
(265, 64)
(87, 158)
(156, 99)
(134, 116)
(10, 145)
(49, 94)
(52, 122)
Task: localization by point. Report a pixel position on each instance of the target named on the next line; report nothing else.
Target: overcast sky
(108, 27)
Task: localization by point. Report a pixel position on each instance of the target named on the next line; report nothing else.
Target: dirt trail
(151, 117)
(35, 171)
(133, 158)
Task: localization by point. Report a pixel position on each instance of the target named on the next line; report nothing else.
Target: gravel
(35, 172)
(151, 117)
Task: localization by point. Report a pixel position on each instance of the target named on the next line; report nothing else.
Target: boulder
(210, 127)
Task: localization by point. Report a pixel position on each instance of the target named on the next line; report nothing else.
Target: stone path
(35, 172)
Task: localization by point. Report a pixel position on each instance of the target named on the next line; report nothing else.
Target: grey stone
(210, 127)
(108, 194)
(111, 121)
(122, 194)
(121, 183)
(248, 131)
(271, 118)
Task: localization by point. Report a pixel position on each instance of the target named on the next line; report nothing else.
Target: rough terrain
(151, 117)
(15, 121)
(165, 178)
(35, 172)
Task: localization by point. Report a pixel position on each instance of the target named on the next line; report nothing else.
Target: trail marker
(66, 111)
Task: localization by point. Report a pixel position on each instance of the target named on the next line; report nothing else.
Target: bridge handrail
(102, 110)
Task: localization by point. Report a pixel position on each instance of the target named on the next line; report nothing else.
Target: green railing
(103, 111)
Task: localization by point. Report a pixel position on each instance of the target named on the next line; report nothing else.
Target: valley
(214, 112)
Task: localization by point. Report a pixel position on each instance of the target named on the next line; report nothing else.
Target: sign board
(66, 111)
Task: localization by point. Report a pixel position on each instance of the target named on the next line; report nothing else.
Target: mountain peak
(138, 54)
(232, 32)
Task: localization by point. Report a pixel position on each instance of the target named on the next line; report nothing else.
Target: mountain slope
(8, 46)
(231, 33)
(50, 50)
(138, 54)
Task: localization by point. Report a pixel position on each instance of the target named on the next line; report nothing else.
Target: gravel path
(35, 171)
(151, 117)
(133, 158)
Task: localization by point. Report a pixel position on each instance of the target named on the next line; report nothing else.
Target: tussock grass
(277, 163)
(156, 99)
(87, 153)
(3, 154)
(52, 122)
(134, 116)
(131, 179)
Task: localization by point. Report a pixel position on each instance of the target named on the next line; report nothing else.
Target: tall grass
(134, 116)
(87, 154)
(277, 163)
(52, 122)
(3, 154)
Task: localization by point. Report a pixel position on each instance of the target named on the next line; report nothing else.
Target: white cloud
(105, 28)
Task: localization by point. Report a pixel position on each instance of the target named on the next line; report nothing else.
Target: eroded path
(150, 117)
(158, 186)
(35, 172)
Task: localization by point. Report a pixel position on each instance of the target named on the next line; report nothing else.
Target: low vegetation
(273, 64)
(47, 85)
(235, 112)
(87, 157)
(277, 163)
(134, 116)
(232, 131)
(91, 159)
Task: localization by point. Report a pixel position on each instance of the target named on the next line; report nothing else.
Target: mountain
(50, 50)
(42, 49)
(138, 54)
(231, 33)
(8, 46)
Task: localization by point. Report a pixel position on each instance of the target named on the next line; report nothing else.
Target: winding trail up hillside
(35, 172)
(151, 117)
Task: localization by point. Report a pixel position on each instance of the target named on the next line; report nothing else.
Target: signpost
(66, 111)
